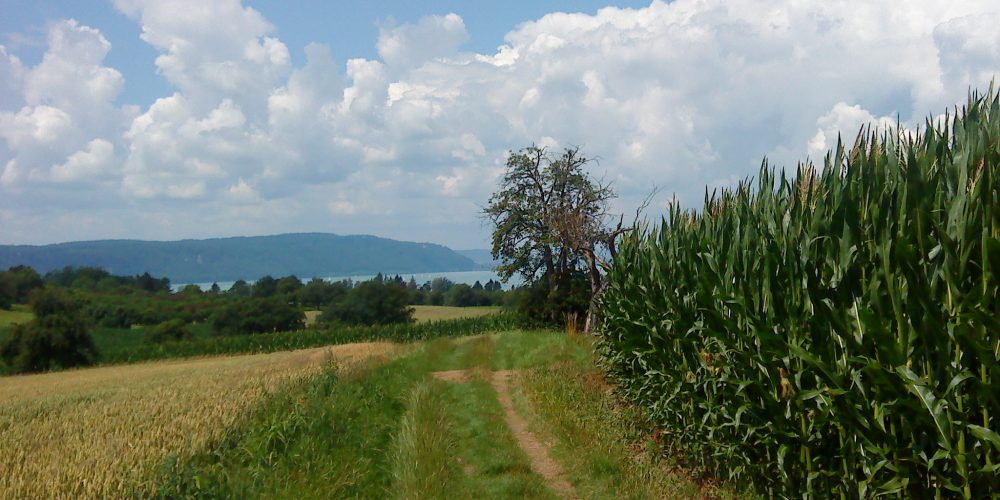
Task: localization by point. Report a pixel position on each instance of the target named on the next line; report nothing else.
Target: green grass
(438, 313)
(17, 314)
(128, 346)
(395, 431)
(424, 314)
(607, 448)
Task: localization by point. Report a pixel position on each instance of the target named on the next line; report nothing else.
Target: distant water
(467, 277)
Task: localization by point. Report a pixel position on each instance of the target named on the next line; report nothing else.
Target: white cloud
(682, 95)
(843, 122)
(411, 45)
(92, 163)
(68, 123)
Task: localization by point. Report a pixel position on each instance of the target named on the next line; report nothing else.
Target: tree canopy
(551, 221)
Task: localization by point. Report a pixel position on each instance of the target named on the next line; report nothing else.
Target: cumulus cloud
(682, 95)
(61, 119)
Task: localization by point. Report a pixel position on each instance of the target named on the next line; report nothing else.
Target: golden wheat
(105, 431)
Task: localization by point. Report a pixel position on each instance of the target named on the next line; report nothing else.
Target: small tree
(57, 338)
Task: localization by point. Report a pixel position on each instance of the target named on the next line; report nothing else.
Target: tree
(374, 302)
(240, 288)
(16, 284)
(288, 286)
(551, 220)
(58, 337)
(266, 286)
(257, 315)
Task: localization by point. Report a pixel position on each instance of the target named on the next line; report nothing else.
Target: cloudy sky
(158, 119)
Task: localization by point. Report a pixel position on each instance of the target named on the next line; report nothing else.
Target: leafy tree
(550, 221)
(190, 291)
(257, 315)
(320, 293)
(266, 286)
(17, 283)
(240, 288)
(288, 286)
(374, 302)
(57, 338)
(150, 284)
(215, 290)
(462, 295)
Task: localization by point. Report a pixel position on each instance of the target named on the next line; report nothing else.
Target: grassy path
(386, 428)
(537, 450)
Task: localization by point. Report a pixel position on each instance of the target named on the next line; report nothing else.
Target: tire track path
(537, 451)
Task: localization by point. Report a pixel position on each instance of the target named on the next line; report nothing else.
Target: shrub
(171, 330)
(257, 315)
(57, 338)
(537, 305)
(371, 303)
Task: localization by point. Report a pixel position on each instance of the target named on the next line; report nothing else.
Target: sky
(162, 120)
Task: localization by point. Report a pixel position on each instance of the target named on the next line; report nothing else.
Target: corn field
(835, 334)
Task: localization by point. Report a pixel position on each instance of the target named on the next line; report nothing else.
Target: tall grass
(835, 334)
(423, 463)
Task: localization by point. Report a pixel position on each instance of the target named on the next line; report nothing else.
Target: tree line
(69, 303)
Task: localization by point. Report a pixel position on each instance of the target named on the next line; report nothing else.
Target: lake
(467, 277)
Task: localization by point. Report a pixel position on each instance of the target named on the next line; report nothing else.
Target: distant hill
(305, 255)
(480, 256)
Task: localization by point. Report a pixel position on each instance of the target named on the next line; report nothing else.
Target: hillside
(481, 256)
(222, 259)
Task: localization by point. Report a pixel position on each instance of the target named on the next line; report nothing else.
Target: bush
(57, 338)
(172, 330)
(257, 315)
(371, 303)
(536, 305)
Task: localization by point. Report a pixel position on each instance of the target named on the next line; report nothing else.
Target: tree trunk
(597, 286)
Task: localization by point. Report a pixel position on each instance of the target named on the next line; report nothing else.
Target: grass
(17, 314)
(423, 314)
(107, 431)
(128, 346)
(395, 431)
(607, 448)
(289, 425)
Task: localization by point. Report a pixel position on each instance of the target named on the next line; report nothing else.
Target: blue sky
(166, 119)
(350, 29)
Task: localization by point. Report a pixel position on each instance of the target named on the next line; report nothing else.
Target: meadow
(107, 431)
(424, 314)
(18, 314)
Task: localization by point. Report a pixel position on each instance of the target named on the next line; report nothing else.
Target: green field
(424, 314)
(439, 313)
(18, 314)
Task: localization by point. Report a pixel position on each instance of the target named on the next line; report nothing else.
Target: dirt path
(537, 451)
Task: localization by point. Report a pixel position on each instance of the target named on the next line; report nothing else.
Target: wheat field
(106, 431)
